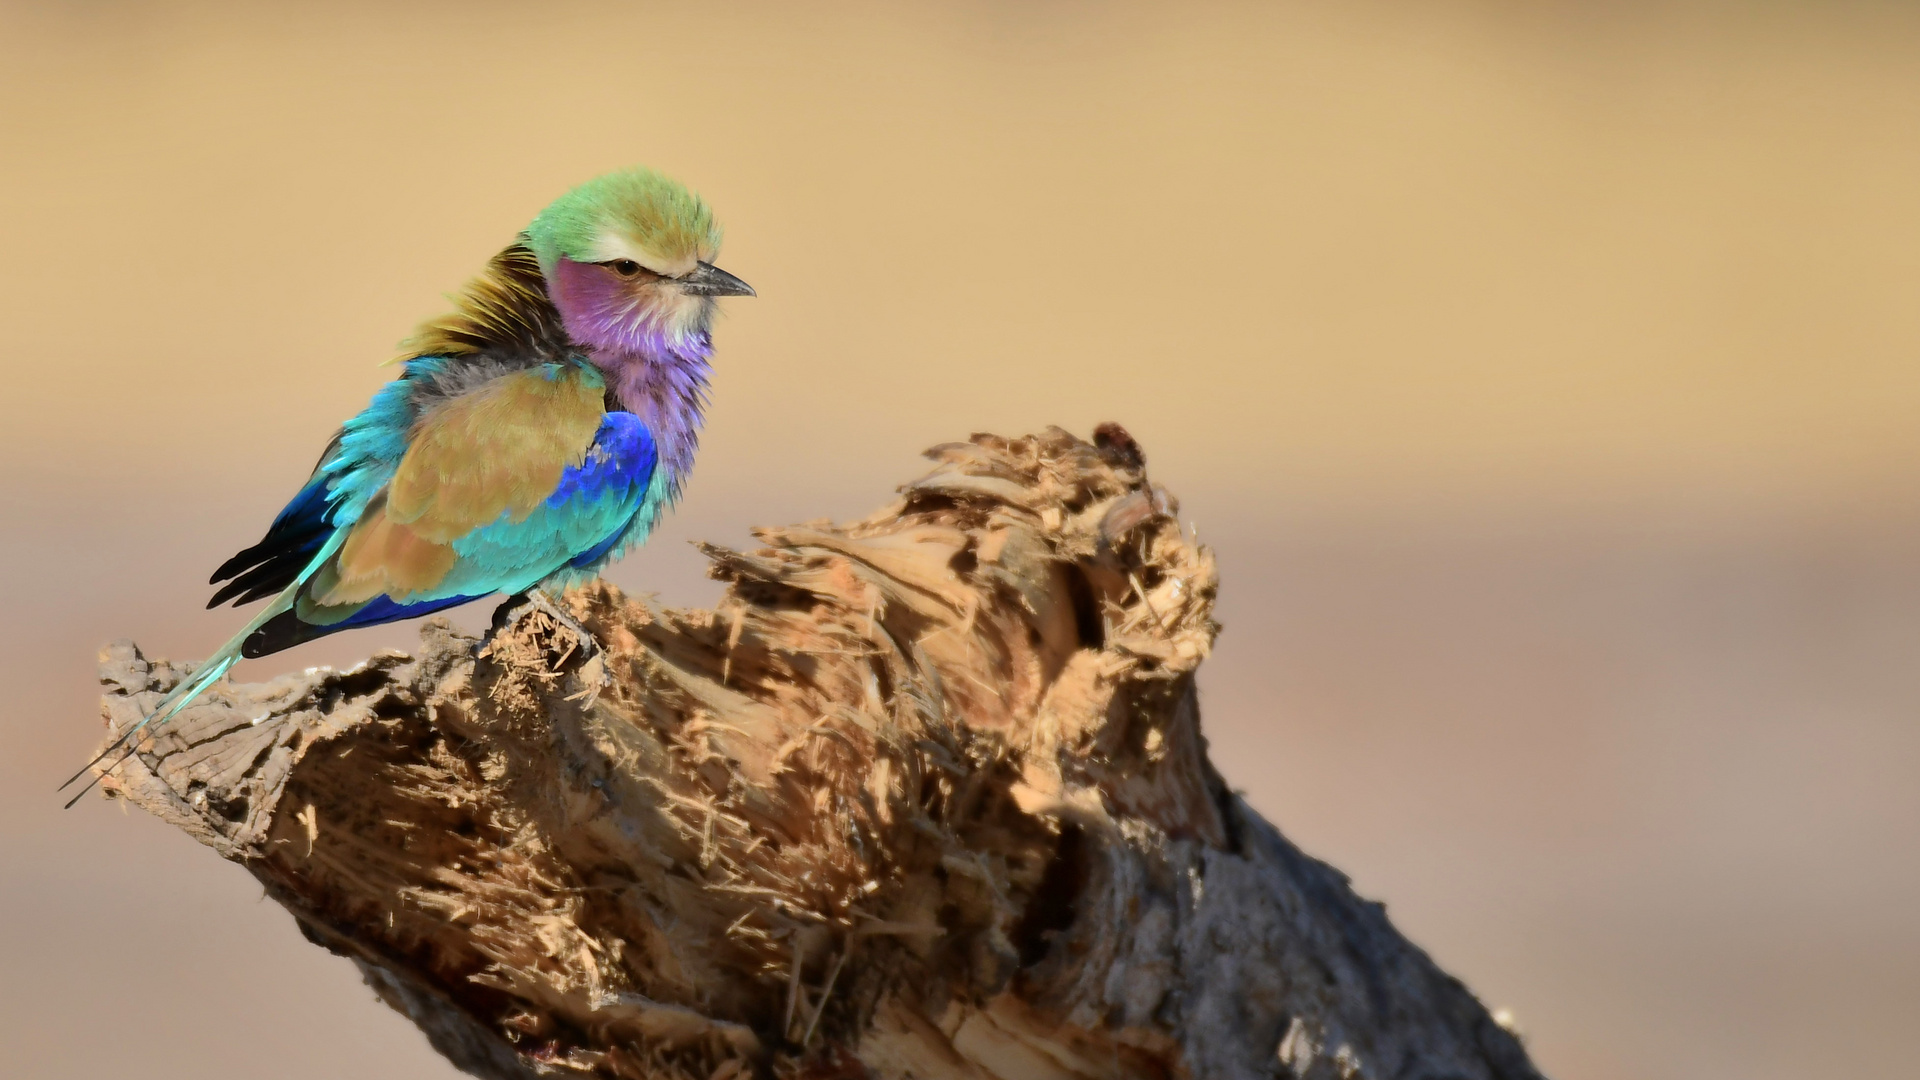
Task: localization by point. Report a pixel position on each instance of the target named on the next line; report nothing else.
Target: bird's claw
(538, 600)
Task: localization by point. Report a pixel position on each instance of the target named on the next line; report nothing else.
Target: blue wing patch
(620, 462)
(380, 609)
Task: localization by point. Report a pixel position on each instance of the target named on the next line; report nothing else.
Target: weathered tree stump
(924, 796)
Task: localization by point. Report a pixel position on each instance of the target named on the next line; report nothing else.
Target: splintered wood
(924, 796)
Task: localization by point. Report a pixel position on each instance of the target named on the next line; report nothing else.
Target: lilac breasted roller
(534, 434)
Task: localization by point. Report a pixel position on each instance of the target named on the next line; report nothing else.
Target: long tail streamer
(203, 679)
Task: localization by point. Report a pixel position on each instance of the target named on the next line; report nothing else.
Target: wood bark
(924, 795)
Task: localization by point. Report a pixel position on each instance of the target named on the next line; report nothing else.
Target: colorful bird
(534, 434)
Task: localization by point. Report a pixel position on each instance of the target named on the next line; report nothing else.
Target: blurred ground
(1544, 375)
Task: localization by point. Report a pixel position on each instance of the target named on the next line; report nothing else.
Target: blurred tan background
(1545, 375)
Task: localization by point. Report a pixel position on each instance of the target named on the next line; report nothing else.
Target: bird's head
(628, 259)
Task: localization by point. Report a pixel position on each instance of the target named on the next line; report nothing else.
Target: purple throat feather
(657, 372)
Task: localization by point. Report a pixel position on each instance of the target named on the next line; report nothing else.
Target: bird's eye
(625, 267)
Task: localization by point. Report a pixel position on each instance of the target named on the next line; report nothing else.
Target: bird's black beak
(709, 280)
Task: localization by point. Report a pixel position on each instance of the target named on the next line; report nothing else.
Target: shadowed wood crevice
(923, 795)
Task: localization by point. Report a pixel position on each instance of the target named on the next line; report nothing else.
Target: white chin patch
(684, 315)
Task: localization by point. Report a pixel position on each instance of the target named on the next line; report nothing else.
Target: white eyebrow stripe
(609, 246)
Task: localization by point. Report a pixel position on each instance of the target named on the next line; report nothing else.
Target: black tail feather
(278, 559)
(121, 760)
(283, 631)
(268, 575)
(97, 758)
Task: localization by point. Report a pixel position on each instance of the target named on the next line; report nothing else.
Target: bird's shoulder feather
(503, 311)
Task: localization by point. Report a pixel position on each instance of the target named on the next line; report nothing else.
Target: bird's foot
(538, 600)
